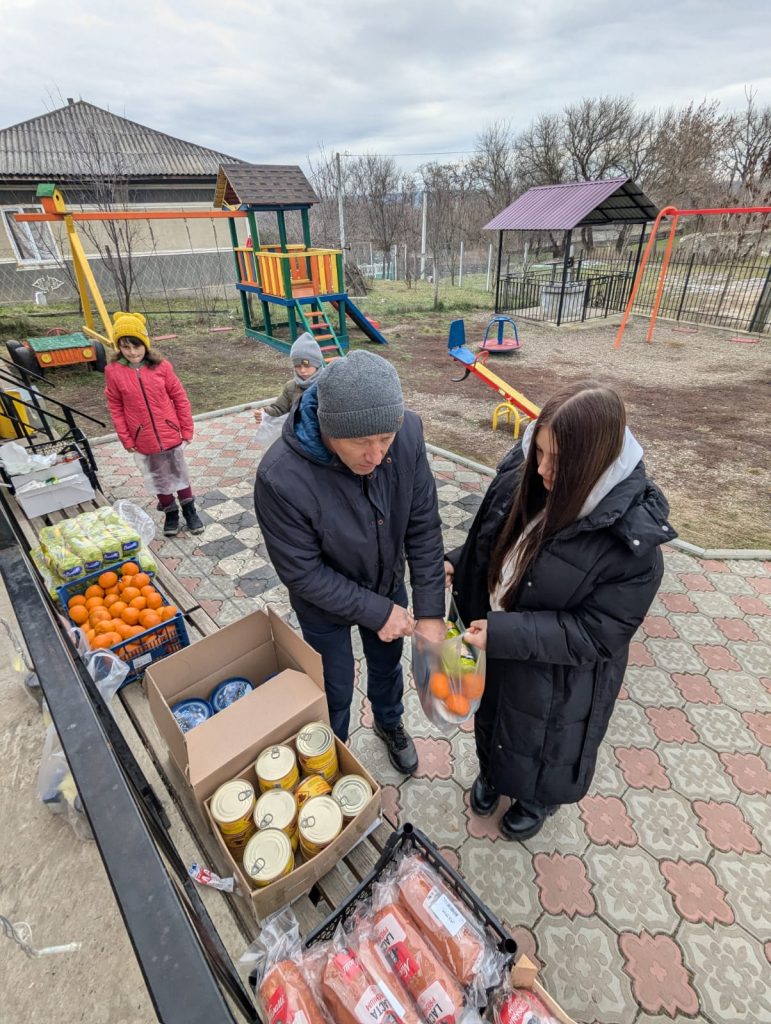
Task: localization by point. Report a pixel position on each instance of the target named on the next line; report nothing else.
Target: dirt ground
(696, 400)
(57, 884)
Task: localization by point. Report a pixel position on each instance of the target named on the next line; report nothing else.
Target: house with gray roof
(100, 161)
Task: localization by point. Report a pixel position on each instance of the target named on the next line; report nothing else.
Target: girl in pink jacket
(152, 418)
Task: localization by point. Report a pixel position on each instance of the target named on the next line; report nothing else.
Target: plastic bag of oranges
(449, 677)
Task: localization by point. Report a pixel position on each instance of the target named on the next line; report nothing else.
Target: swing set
(675, 214)
(91, 300)
(306, 283)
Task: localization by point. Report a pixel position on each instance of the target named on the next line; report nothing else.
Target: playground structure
(500, 344)
(515, 406)
(764, 305)
(306, 282)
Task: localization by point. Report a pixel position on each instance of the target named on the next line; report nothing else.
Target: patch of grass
(395, 298)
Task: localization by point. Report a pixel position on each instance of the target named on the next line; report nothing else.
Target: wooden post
(489, 265)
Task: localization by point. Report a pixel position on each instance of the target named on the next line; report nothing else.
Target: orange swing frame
(675, 214)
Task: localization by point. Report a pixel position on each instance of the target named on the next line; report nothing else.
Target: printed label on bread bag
(375, 1007)
(435, 1005)
(348, 964)
(444, 911)
(522, 1008)
(392, 941)
(280, 1012)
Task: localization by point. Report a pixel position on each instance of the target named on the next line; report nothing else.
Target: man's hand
(433, 630)
(476, 634)
(258, 416)
(398, 624)
(449, 574)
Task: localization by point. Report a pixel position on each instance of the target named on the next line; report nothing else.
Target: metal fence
(723, 291)
(202, 274)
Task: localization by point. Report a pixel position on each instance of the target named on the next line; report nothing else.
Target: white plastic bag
(17, 459)
(56, 786)
(136, 518)
(164, 472)
(269, 430)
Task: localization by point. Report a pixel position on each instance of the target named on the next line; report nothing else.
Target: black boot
(171, 523)
(401, 749)
(523, 820)
(192, 518)
(483, 797)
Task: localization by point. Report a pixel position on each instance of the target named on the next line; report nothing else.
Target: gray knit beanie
(360, 396)
(306, 347)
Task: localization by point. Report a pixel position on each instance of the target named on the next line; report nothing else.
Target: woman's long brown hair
(588, 422)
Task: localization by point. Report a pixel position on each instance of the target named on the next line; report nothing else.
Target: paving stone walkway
(649, 900)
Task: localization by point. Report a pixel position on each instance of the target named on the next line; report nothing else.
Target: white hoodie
(630, 454)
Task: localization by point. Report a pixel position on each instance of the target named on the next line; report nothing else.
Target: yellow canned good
(317, 752)
(277, 808)
(276, 768)
(232, 807)
(312, 785)
(353, 793)
(268, 856)
(320, 822)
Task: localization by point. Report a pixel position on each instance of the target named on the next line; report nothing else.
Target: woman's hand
(449, 574)
(257, 416)
(476, 634)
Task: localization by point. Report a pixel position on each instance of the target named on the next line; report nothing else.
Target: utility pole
(340, 210)
(423, 237)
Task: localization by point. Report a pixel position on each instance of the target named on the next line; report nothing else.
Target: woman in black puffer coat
(559, 569)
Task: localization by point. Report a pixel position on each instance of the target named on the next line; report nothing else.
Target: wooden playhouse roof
(270, 186)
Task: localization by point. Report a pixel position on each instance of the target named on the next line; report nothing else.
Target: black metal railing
(187, 971)
(725, 291)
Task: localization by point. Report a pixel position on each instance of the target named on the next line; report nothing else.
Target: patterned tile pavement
(648, 901)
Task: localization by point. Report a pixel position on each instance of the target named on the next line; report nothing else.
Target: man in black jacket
(343, 499)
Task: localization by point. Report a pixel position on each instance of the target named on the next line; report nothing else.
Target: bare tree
(541, 158)
(494, 165)
(449, 188)
(322, 172)
(100, 158)
(386, 195)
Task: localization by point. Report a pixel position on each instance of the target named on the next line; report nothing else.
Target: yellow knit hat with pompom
(130, 325)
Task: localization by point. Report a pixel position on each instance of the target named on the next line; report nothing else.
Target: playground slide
(364, 325)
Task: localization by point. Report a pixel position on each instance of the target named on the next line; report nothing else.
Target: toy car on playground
(57, 349)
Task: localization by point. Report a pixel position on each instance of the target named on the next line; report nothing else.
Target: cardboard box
(72, 489)
(226, 746)
(524, 974)
(256, 646)
(284, 890)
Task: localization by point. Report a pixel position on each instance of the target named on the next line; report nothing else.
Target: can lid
(316, 738)
(190, 713)
(352, 792)
(267, 855)
(275, 763)
(229, 691)
(233, 800)
(275, 809)
(321, 820)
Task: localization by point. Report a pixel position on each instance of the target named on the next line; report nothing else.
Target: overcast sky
(270, 80)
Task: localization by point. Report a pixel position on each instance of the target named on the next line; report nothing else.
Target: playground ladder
(319, 326)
